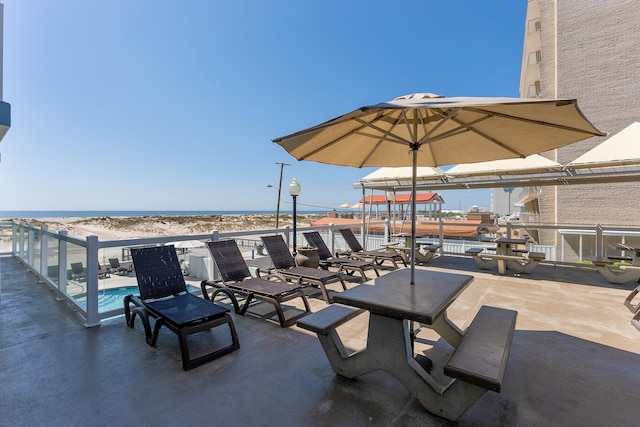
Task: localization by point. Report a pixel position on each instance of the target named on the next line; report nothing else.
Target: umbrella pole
(412, 261)
(414, 172)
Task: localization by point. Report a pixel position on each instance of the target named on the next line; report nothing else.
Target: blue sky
(165, 105)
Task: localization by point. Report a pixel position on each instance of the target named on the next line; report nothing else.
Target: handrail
(31, 245)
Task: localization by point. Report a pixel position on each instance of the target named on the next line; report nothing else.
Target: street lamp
(294, 190)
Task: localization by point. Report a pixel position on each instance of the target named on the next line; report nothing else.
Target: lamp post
(294, 190)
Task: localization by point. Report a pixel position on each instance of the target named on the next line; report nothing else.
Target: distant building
(587, 50)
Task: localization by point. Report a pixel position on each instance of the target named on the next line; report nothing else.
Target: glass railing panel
(37, 248)
(53, 259)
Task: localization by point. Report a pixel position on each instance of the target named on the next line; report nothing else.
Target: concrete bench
(620, 258)
(487, 261)
(481, 358)
(540, 256)
(421, 257)
(615, 274)
(520, 251)
(474, 251)
(328, 319)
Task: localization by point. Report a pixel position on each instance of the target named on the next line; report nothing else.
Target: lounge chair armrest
(278, 276)
(220, 288)
(343, 253)
(262, 273)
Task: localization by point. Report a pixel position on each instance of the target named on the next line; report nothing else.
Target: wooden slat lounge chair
(237, 277)
(378, 256)
(347, 264)
(284, 264)
(164, 297)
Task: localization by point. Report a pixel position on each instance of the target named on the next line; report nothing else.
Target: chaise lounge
(164, 297)
(284, 264)
(346, 264)
(237, 277)
(378, 256)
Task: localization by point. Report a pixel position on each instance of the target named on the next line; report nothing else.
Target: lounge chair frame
(285, 264)
(348, 265)
(237, 277)
(164, 297)
(378, 256)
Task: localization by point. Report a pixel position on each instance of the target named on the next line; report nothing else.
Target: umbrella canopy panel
(442, 130)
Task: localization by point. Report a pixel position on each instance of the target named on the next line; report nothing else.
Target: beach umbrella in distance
(425, 129)
(345, 206)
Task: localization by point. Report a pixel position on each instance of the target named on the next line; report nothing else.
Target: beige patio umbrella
(424, 129)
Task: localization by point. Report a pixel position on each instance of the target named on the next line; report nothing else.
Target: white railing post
(212, 268)
(43, 253)
(332, 238)
(30, 251)
(287, 235)
(14, 238)
(599, 241)
(62, 263)
(93, 317)
(21, 250)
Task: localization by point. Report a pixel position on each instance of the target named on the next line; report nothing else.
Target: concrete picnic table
(507, 255)
(392, 302)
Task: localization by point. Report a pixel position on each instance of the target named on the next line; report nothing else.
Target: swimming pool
(113, 299)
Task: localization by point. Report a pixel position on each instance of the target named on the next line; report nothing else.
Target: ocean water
(93, 214)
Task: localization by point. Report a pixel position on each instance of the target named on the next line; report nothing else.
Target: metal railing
(52, 255)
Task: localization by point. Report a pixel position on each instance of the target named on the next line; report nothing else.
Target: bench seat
(537, 256)
(324, 321)
(473, 251)
(620, 258)
(481, 358)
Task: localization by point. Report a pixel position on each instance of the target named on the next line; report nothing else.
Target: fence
(70, 265)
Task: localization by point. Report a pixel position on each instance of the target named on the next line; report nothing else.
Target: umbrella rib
(340, 138)
(537, 122)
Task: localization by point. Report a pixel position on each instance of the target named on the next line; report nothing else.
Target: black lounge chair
(237, 277)
(164, 296)
(117, 268)
(284, 264)
(78, 272)
(378, 256)
(346, 264)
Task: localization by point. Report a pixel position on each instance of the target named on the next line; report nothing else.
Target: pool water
(113, 299)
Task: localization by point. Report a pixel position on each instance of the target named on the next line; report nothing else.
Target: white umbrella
(345, 206)
(429, 130)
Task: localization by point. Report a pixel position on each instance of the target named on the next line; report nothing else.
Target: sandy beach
(117, 228)
(113, 228)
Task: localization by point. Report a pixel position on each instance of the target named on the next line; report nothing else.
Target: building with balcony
(585, 50)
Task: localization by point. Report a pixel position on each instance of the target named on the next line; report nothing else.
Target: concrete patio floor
(574, 361)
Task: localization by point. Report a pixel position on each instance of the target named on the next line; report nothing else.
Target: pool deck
(575, 361)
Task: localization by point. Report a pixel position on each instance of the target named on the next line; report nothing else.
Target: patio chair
(237, 277)
(78, 272)
(284, 264)
(378, 256)
(117, 268)
(349, 265)
(164, 297)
